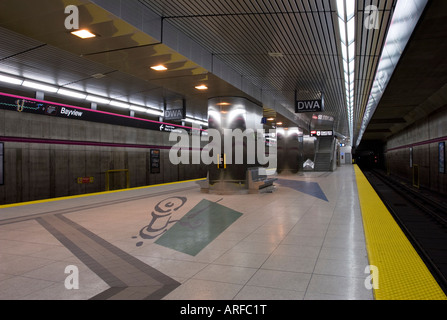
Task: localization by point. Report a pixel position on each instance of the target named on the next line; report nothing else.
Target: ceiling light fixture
(202, 87)
(119, 104)
(138, 109)
(199, 122)
(39, 86)
(159, 68)
(11, 80)
(98, 99)
(155, 112)
(83, 34)
(89, 97)
(98, 75)
(72, 94)
(346, 21)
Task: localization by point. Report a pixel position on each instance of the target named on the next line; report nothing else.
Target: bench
(257, 179)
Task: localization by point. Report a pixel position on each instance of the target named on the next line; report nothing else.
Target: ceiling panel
(281, 47)
(369, 46)
(418, 86)
(304, 36)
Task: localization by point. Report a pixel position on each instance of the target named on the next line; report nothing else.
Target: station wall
(45, 156)
(417, 148)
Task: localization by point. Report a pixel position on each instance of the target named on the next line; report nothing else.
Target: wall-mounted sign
(441, 157)
(169, 128)
(155, 161)
(27, 105)
(85, 180)
(2, 157)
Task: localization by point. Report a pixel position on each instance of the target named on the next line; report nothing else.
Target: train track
(423, 221)
(432, 209)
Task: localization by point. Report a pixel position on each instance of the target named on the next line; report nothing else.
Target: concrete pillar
(290, 149)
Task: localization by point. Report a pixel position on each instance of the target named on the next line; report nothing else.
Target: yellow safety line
(402, 275)
(92, 194)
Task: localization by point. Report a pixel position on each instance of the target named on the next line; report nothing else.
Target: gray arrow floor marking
(128, 277)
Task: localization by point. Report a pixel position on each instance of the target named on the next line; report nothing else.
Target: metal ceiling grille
(283, 46)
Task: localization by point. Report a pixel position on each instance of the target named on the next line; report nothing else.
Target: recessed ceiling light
(271, 119)
(83, 34)
(202, 87)
(98, 75)
(159, 68)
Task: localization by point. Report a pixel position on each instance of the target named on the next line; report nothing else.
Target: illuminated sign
(309, 106)
(322, 117)
(175, 114)
(319, 133)
(155, 161)
(175, 110)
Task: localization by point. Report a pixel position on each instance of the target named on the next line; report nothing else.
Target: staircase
(325, 145)
(322, 162)
(323, 156)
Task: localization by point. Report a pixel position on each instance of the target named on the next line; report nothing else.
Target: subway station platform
(304, 241)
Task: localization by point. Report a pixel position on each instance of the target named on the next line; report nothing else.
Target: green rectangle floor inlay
(199, 227)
